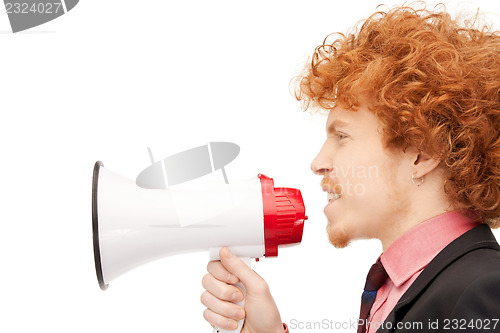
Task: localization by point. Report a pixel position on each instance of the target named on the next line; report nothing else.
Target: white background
(111, 78)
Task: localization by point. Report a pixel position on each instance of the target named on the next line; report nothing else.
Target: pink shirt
(405, 259)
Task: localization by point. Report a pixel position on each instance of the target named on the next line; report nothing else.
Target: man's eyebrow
(336, 124)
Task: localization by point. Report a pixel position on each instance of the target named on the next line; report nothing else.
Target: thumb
(236, 266)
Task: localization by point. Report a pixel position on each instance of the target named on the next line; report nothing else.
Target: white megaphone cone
(133, 225)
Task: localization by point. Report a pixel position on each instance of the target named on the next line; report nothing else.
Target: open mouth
(332, 196)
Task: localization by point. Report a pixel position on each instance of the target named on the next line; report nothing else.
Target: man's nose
(320, 165)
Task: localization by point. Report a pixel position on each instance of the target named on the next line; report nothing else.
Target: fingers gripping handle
(246, 260)
(240, 322)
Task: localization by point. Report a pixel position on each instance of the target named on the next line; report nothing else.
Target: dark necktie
(375, 279)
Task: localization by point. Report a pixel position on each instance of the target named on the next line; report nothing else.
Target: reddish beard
(338, 236)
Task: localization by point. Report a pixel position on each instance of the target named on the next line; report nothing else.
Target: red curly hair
(433, 83)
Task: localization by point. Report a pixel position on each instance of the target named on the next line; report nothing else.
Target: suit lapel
(476, 238)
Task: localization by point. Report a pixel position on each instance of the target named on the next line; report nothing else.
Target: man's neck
(402, 226)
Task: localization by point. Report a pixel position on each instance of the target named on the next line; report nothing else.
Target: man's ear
(423, 164)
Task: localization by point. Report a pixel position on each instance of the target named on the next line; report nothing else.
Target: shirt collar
(412, 251)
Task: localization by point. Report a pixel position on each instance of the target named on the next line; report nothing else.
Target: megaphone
(134, 225)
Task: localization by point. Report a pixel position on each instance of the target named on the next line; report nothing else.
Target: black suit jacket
(458, 291)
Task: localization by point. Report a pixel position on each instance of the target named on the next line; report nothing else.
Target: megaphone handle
(240, 285)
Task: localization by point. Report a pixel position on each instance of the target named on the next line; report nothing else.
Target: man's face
(372, 182)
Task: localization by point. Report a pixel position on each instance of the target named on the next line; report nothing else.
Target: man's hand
(260, 312)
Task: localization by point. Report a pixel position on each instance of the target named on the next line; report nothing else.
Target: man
(413, 102)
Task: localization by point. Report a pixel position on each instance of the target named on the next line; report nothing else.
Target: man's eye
(341, 136)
